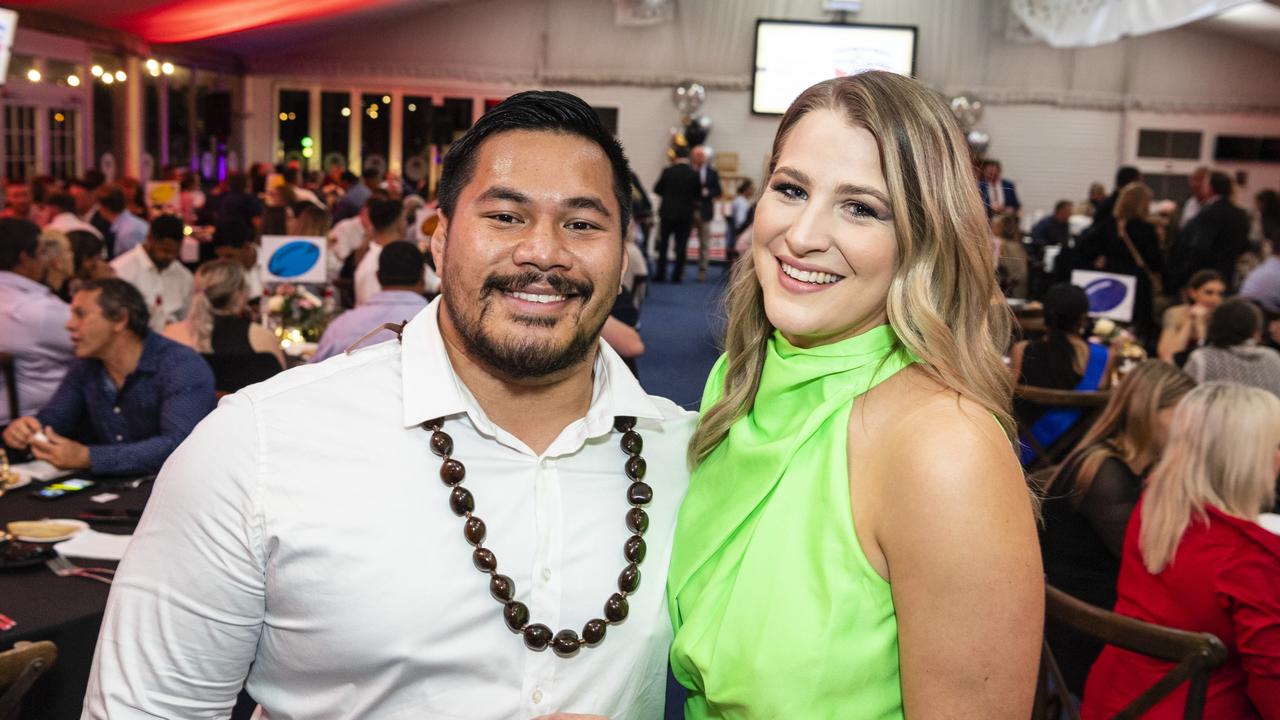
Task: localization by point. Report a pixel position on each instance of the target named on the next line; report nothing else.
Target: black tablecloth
(67, 611)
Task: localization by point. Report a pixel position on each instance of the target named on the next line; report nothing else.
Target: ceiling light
(73, 80)
(153, 65)
(284, 117)
(413, 107)
(107, 79)
(166, 68)
(120, 76)
(96, 71)
(386, 99)
(346, 112)
(33, 75)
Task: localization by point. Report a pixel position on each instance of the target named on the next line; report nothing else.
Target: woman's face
(825, 249)
(1208, 295)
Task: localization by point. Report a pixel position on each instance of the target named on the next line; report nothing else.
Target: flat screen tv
(791, 55)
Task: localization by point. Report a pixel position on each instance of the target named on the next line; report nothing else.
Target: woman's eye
(862, 210)
(789, 191)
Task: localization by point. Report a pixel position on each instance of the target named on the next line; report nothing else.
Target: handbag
(1157, 283)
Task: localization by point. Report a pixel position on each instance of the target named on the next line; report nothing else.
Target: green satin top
(776, 610)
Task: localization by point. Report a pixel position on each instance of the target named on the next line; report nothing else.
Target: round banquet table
(67, 611)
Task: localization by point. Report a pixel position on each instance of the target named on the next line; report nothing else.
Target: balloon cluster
(967, 112)
(693, 129)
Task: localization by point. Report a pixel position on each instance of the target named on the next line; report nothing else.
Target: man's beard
(523, 358)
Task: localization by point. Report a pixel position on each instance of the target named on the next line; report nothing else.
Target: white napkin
(37, 470)
(94, 545)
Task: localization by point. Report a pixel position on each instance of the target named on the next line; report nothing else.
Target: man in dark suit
(710, 181)
(1215, 237)
(999, 196)
(680, 190)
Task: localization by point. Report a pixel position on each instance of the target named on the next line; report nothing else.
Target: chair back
(231, 372)
(10, 384)
(20, 667)
(1091, 402)
(1193, 656)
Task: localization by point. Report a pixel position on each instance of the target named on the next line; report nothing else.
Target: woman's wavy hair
(1221, 450)
(943, 302)
(1126, 429)
(219, 289)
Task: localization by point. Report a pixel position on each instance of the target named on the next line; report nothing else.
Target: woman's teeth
(817, 278)
(531, 297)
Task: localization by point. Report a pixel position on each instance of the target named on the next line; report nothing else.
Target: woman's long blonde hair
(1221, 452)
(1133, 202)
(1126, 429)
(943, 303)
(219, 289)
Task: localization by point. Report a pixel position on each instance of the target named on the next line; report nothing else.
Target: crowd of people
(867, 375)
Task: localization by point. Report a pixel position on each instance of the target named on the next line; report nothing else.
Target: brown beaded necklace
(503, 589)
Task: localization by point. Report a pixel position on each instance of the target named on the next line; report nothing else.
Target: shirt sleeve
(186, 609)
(186, 396)
(1195, 366)
(1109, 502)
(67, 406)
(1249, 591)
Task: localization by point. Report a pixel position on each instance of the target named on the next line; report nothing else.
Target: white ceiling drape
(1085, 23)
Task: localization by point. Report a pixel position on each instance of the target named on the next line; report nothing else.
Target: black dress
(1080, 544)
(1146, 241)
(230, 336)
(234, 362)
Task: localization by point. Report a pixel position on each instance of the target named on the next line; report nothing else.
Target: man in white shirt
(1201, 193)
(65, 219)
(303, 537)
(386, 217)
(151, 267)
(32, 321)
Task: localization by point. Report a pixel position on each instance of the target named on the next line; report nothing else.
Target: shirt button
(116, 409)
(537, 696)
(546, 574)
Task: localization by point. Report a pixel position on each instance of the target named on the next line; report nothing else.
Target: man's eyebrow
(501, 192)
(585, 202)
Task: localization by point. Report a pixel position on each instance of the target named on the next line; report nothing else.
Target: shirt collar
(149, 362)
(424, 362)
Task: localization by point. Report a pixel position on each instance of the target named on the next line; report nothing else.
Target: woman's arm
(1015, 360)
(954, 527)
(1109, 501)
(1174, 335)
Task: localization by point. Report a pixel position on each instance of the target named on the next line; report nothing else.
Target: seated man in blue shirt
(128, 400)
(400, 274)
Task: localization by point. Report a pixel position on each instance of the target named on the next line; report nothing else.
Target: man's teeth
(817, 278)
(531, 297)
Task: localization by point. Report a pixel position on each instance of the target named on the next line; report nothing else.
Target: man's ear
(438, 243)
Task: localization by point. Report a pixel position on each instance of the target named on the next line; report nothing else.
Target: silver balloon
(960, 109)
(688, 96)
(704, 122)
(978, 142)
(975, 111)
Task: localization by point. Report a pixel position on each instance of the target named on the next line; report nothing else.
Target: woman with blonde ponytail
(217, 323)
(858, 539)
(1195, 558)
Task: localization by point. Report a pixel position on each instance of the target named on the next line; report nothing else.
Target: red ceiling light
(187, 20)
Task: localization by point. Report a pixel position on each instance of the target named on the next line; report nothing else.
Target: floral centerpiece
(1121, 341)
(297, 314)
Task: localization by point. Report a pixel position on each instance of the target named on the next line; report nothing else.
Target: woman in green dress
(858, 540)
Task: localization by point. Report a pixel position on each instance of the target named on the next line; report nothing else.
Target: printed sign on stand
(1110, 294)
(163, 195)
(293, 258)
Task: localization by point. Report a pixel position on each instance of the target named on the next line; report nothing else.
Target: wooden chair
(20, 667)
(10, 384)
(1194, 655)
(1091, 402)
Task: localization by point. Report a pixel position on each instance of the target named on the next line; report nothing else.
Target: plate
(22, 481)
(79, 525)
(15, 554)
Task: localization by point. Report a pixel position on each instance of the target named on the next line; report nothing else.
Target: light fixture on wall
(107, 79)
(33, 75)
(73, 80)
(121, 76)
(96, 71)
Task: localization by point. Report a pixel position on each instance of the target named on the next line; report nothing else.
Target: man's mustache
(519, 281)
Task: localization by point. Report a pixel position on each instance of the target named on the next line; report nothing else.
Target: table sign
(294, 258)
(1110, 294)
(163, 195)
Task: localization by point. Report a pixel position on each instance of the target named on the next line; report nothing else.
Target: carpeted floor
(681, 326)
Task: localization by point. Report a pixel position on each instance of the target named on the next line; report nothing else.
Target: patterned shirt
(133, 428)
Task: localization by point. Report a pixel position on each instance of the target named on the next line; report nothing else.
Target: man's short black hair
(1061, 204)
(1220, 184)
(167, 227)
(237, 182)
(290, 174)
(348, 177)
(111, 198)
(682, 151)
(118, 297)
(232, 232)
(1233, 322)
(537, 110)
(371, 173)
(1127, 174)
(17, 236)
(400, 265)
(62, 202)
(383, 213)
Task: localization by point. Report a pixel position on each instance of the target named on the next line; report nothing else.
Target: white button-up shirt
(33, 330)
(167, 292)
(302, 535)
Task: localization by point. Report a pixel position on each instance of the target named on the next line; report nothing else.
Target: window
(1242, 148)
(335, 129)
(1169, 144)
(294, 122)
(19, 142)
(375, 131)
(1169, 187)
(64, 133)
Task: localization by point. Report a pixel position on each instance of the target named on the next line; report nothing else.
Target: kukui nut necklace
(536, 635)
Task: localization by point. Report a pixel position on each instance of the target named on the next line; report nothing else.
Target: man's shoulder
(329, 376)
(674, 421)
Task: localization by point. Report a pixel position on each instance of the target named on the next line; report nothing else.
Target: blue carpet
(681, 326)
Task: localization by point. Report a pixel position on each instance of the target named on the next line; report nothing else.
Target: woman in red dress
(1196, 559)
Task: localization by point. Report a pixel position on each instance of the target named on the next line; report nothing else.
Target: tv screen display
(792, 55)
